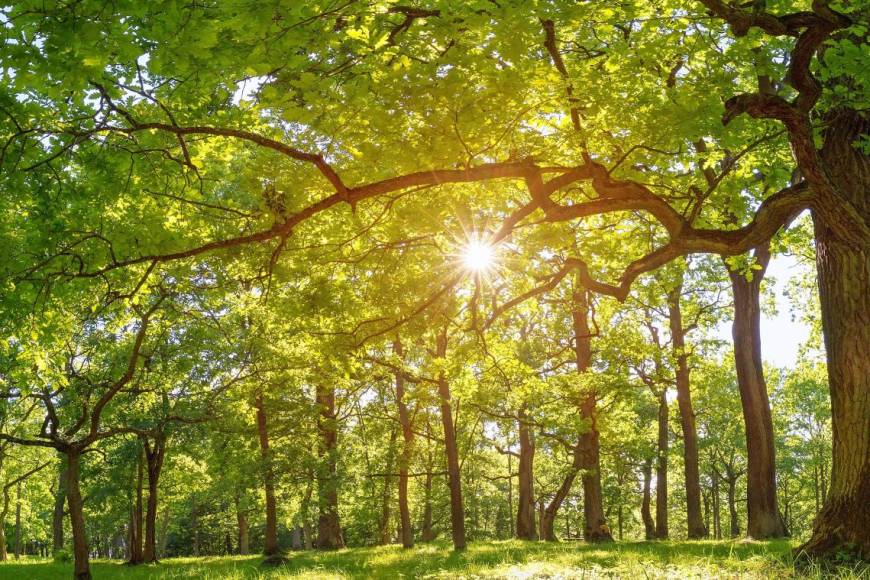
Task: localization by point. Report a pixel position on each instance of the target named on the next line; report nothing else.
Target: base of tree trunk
(274, 561)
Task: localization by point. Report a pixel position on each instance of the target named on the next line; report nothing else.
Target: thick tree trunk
(526, 529)
(154, 462)
(136, 555)
(662, 470)
(406, 532)
(764, 520)
(649, 525)
(694, 515)
(59, 502)
(843, 525)
(81, 566)
(328, 526)
(270, 540)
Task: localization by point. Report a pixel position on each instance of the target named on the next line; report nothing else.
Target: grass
(508, 559)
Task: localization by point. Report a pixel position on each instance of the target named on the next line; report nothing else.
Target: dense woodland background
(294, 275)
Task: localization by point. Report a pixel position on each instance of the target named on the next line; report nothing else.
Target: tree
(323, 124)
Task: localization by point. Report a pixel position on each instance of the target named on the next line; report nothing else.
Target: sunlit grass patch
(511, 559)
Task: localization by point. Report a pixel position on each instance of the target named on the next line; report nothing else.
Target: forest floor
(507, 559)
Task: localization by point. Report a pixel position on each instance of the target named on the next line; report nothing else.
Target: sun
(478, 256)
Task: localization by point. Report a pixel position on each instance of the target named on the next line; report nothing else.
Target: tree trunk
(526, 529)
(662, 470)
(587, 451)
(427, 534)
(764, 520)
(154, 459)
(596, 529)
(59, 501)
(385, 535)
(407, 532)
(4, 511)
(244, 538)
(649, 526)
(81, 566)
(328, 526)
(270, 541)
(136, 556)
(18, 521)
(454, 480)
(714, 492)
(732, 505)
(694, 515)
(843, 525)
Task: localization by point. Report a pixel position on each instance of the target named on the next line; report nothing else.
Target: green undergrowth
(507, 559)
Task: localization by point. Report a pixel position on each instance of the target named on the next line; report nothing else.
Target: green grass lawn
(509, 559)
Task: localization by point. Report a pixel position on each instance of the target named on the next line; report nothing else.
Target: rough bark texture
(329, 535)
(406, 531)
(694, 514)
(526, 529)
(270, 541)
(154, 454)
(649, 525)
(662, 470)
(764, 520)
(454, 477)
(81, 565)
(844, 291)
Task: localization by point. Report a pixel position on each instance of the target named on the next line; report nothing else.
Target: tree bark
(764, 520)
(649, 525)
(154, 455)
(59, 502)
(407, 532)
(454, 477)
(328, 526)
(694, 514)
(843, 525)
(526, 529)
(270, 541)
(81, 565)
(136, 555)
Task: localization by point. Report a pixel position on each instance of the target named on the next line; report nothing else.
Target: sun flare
(478, 256)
